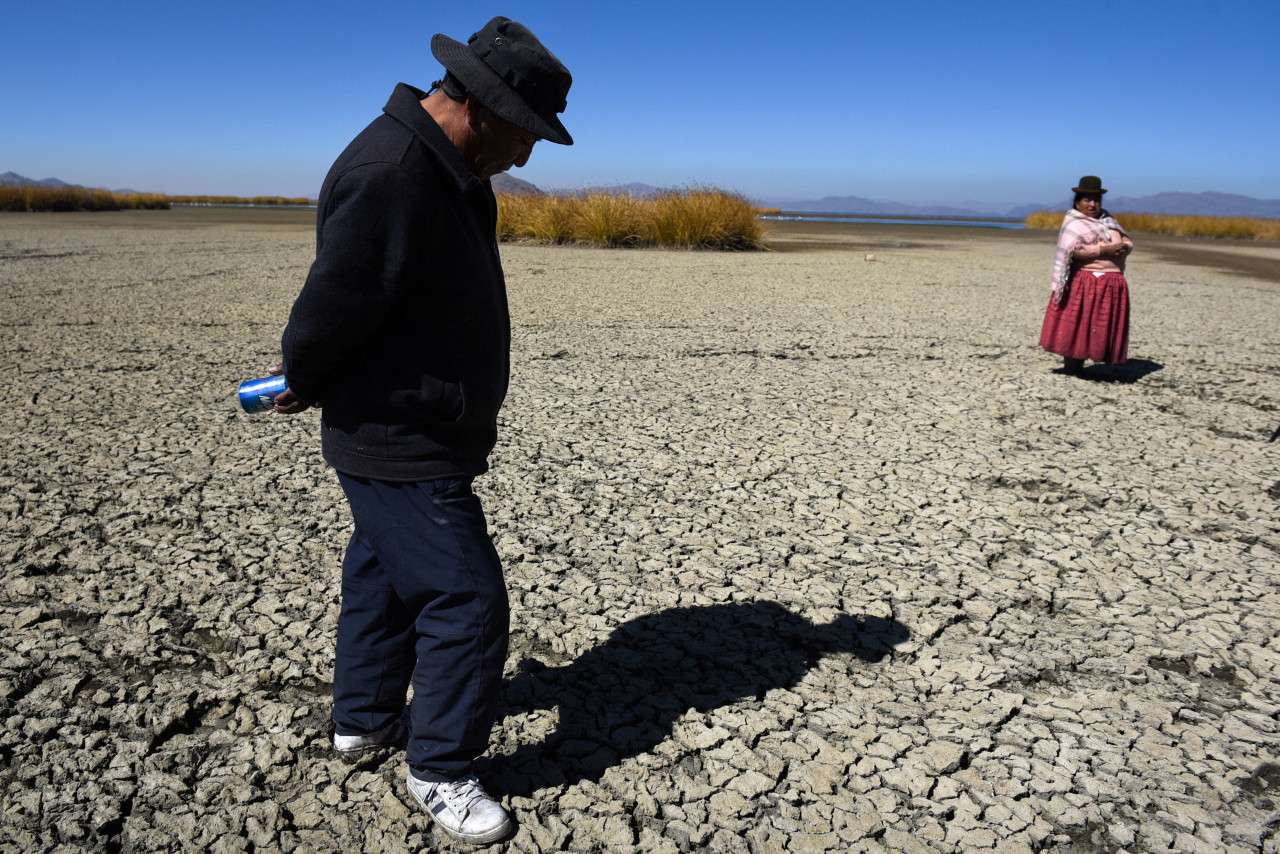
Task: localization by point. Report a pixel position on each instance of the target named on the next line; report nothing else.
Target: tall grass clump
(143, 201)
(702, 219)
(1044, 219)
(1238, 227)
(610, 219)
(1254, 228)
(691, 218)
(12, 198)
(544, 219)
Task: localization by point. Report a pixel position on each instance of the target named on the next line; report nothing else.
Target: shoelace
(462, 795)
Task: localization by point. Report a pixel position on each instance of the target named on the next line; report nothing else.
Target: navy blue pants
(423, 601)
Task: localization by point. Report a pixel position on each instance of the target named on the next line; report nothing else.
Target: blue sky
(998, 103)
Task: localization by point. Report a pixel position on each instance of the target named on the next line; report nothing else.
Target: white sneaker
(463, 809)
(354, 747)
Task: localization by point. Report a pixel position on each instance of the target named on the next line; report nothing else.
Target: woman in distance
(1088, 313)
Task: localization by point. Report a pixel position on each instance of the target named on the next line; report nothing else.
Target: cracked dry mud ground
(806, 553)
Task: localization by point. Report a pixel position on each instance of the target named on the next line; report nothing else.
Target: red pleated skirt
(1092, 322)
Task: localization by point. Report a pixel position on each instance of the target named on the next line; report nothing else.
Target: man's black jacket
(402, 331)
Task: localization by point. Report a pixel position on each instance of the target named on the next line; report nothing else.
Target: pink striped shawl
(1078, 230)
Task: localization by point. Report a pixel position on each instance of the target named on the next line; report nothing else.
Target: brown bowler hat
(1089, 184)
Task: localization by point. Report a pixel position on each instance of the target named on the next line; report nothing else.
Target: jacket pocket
(434, 400)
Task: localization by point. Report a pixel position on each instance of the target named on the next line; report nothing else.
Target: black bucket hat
(508, 70)
(1089, 184)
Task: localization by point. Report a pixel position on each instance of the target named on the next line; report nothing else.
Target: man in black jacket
(402, 333)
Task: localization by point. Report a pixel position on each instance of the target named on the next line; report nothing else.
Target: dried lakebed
(805, 552)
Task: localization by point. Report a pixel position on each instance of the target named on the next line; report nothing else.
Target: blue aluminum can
(260, 395)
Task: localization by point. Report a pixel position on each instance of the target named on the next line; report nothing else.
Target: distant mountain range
(505, 182)
(1195, 204)
(513, 186)
(859, 205)
(11, 178)
(1184, 204)
(14, 179)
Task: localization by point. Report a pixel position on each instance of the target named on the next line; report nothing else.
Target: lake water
(906, 220)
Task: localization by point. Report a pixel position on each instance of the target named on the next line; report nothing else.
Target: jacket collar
(404, 106)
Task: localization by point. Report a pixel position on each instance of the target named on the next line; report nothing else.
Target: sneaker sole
(395, 741)
(357, 754)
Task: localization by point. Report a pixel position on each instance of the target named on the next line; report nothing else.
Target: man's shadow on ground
(1130, 372)
(623, 697)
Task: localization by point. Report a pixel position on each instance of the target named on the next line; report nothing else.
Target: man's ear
(477, 113)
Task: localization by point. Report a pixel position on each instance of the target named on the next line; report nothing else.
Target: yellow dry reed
(30, 197)
(1239, 227)
(693, 218)
(239, 200)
